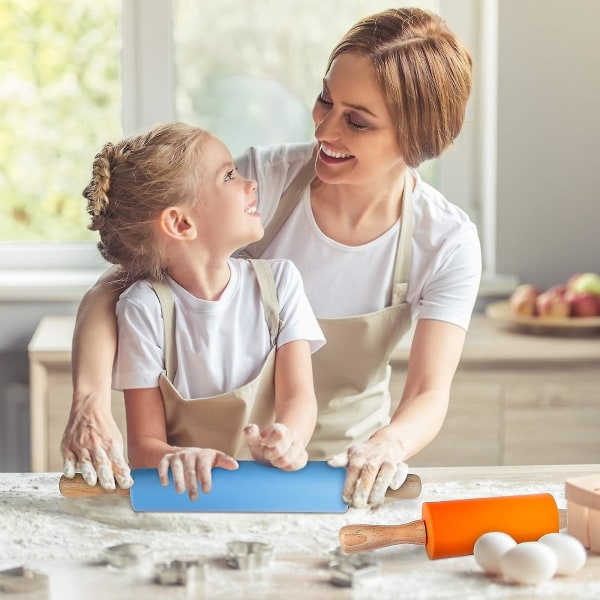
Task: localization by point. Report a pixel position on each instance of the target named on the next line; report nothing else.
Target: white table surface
(65, 539)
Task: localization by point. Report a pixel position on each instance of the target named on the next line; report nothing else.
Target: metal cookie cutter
(22, 580)
(180, 572)
(248, 555)
(123, 556)
(348, 569)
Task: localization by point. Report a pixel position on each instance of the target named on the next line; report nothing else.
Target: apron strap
(403, 250)
(167, 305)
(268, 294)
(288, 202)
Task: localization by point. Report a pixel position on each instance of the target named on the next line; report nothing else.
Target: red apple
(559, 289)
(583, 304)
(522, 300)
(552, 303)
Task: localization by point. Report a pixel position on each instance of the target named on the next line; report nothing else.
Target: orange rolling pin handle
(360, 538)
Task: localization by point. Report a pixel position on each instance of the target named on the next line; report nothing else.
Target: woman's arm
(92, 441)
(434, 356)
(284, 443)
(378, 463)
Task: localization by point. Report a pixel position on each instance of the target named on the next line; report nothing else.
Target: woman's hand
(372, 468)
(93, 445)
(192, 465)
(276, 445)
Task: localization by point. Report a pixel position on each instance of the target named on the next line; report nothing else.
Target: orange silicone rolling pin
(452, 527)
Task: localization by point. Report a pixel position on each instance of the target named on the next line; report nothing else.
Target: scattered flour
(66, 538)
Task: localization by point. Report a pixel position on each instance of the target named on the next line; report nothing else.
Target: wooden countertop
(490, 342)
(66, 539)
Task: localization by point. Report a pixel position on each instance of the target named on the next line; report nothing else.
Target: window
(249, 71)
(194, 59)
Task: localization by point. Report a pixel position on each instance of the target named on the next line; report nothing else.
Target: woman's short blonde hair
(133, 181)
(424, 71)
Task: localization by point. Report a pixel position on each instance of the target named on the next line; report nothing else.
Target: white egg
(489, 548)
(529, 563)
(570, 552)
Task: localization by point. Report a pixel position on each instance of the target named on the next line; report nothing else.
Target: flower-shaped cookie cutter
(248, 555)
(184, 572)
(348, 569)
(124, 556)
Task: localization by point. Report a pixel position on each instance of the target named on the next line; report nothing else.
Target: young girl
(206, 343)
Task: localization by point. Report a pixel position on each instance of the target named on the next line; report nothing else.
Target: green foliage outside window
(60, 100)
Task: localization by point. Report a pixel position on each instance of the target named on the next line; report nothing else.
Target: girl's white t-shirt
(340, 280)
(220, 345)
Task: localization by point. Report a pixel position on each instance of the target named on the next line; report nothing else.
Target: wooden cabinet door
(471, 433)
(552, 417)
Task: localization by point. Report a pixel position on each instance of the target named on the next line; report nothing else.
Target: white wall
(548, 139)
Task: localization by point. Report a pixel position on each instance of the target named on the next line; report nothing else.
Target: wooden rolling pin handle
(78, 488)
(411, 488)
(360, 538)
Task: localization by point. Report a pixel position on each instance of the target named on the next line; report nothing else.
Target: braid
(97, 190)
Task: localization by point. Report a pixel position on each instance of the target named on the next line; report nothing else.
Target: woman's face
(357, 139)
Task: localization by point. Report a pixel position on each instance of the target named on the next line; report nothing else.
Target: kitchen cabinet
(516, 398)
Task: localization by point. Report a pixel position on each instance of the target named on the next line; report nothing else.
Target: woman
(376, 247)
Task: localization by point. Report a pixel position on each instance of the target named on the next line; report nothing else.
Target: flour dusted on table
(66, 538)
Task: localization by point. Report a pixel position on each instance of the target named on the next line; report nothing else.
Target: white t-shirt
(220, 345)
(340, 280)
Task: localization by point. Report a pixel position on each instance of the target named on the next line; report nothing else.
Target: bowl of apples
(566, 308)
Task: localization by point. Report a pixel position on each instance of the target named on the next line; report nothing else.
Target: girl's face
(357, 139)
(225, 211)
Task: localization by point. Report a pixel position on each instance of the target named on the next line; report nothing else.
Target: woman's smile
(329, 155)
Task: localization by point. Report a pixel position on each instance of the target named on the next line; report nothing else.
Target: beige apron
(218, 421)
(352, 370)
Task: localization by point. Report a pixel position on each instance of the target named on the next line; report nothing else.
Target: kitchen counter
(65, 539)
(488, 342)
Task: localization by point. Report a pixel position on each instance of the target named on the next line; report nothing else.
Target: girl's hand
(372, 467)
(276, 445)
(192, 465)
